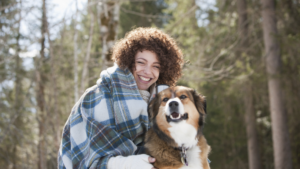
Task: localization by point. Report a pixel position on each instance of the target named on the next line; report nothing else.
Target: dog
(175, 138)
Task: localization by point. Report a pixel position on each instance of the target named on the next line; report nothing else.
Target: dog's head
(177, 105)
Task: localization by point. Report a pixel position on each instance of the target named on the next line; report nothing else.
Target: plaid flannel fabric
(108, 120)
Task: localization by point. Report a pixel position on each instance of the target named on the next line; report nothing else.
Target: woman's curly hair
(151, 39)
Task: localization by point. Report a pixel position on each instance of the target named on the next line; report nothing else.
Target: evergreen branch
(144, 15)
(182, 17)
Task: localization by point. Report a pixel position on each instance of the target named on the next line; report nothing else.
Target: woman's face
(146, 70)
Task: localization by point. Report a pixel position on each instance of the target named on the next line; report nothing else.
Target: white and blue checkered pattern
(110, 119)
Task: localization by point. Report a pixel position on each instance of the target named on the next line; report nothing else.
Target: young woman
(110, 119)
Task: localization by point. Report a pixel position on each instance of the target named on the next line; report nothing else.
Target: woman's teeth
(145, 79)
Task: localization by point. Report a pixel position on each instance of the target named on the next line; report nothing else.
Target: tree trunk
(250, 116)
(41, 94)
(16, 116)
(252, 138)
(280, 132)
(109, 28)
(75, 56)
(88, 52)
(54, 92)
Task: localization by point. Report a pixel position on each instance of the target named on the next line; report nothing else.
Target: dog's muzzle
(175, 115)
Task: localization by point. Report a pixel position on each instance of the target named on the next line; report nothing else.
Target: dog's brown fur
(158, 141)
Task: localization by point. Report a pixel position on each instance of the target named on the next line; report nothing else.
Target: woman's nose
(147, 70)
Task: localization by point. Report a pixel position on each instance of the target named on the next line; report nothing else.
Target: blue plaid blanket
(109, 119)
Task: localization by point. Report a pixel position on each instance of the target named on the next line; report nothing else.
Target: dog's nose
(173, 104)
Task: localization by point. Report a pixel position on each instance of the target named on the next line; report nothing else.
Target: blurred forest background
(243, 55)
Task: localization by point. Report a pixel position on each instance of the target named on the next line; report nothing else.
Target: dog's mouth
(176, 117)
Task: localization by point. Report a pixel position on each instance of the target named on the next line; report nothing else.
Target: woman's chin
(143, 87)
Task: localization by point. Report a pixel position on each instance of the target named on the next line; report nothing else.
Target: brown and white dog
(175, 138)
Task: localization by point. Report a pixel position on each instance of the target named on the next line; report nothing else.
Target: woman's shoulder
(116, 74)
(114, 70)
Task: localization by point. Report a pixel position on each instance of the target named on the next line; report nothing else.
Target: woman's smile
(144, 78)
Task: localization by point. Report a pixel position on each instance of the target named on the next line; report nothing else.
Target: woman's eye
(182, 97)
(165, 99)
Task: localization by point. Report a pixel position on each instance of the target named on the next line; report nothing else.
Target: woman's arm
(141, 161)
(88, 143)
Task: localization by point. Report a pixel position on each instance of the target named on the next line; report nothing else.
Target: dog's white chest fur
(185, 134)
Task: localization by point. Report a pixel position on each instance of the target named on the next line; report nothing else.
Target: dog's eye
(182, 97)
(165, 99)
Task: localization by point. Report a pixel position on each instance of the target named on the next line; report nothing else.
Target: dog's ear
(153, 107)
(200, 102)
(150, 108)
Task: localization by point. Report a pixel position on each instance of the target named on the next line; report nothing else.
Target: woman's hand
(141, 161)
(151, 160)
